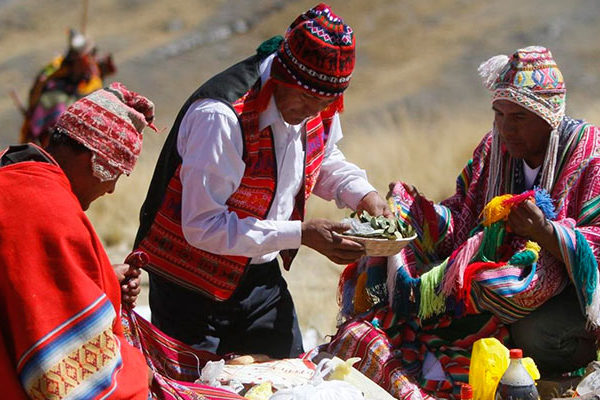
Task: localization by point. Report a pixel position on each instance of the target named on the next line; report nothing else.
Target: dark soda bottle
(516, 383)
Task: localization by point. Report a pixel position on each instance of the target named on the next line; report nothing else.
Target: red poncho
(59, 297)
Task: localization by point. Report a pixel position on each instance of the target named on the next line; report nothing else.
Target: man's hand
(410, 189)
(374, 205)
(527, 220)
(318, 234)
(129, 278)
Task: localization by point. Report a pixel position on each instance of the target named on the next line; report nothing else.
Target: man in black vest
(228, 193)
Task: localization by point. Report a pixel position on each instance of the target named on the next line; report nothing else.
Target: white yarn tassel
(490, 69)
(493, 188)
(549, 166)
(592, 311)
(394, 263)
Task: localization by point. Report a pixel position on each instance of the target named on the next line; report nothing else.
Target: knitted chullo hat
(317, 54)
(109, 122)
(531, 79)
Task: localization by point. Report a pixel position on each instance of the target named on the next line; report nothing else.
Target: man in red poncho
(61, 335)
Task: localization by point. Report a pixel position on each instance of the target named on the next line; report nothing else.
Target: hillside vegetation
(414, 111)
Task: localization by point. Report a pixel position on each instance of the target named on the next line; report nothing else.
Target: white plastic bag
(591, 383)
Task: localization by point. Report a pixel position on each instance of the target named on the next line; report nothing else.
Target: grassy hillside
(414, 111)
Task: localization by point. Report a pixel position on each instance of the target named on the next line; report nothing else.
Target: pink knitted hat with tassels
(109, 122)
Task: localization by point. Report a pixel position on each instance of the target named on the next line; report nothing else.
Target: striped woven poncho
(465, 264)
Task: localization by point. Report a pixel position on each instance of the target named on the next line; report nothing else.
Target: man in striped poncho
(528, 277)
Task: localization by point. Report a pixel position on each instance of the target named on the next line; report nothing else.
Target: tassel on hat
(490, 69)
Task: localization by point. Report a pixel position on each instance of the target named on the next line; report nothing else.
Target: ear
(77, 166)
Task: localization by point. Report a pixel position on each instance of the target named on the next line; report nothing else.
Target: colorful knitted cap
(317, 53)
(109, 122)
(529, 78)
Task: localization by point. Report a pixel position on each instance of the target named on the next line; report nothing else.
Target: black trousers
(555, 335)
(258, 318)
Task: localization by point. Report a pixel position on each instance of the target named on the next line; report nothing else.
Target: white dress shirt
(211, 146)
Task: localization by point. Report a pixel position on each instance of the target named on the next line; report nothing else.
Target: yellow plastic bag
(489, 360)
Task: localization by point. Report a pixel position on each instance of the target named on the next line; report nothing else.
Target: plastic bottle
(466, 392)
(516, 383)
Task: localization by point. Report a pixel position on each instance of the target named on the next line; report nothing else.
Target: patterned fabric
(109, 122)
(93, 361)
(175, 365)
(392, 351)
(216, 275)
(450, 232)
(317, 53)
(530, 78)
(61, 335)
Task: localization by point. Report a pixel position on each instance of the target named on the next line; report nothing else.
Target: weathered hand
(374, 205)
(319, 235)
(410, 189)
(129, 278)
(527, 220)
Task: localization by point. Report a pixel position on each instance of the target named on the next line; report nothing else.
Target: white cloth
(530, 174)
(210, 145)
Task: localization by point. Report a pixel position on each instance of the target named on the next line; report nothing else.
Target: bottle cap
(466, 391)
(516, 353)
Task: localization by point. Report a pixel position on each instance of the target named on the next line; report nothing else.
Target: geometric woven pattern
(95, 361)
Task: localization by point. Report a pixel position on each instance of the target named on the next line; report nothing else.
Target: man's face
(524, 134)
(85, 185)
(96, 190)
(295, 104)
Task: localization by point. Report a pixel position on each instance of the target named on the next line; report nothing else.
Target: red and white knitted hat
(317, 53)
(109, 122)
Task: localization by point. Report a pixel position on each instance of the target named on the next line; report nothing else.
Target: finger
(347, 255)
(349, 245)
(339, 227)
(410, 189)
(530, 206)
(345, 258)
(133, 272)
